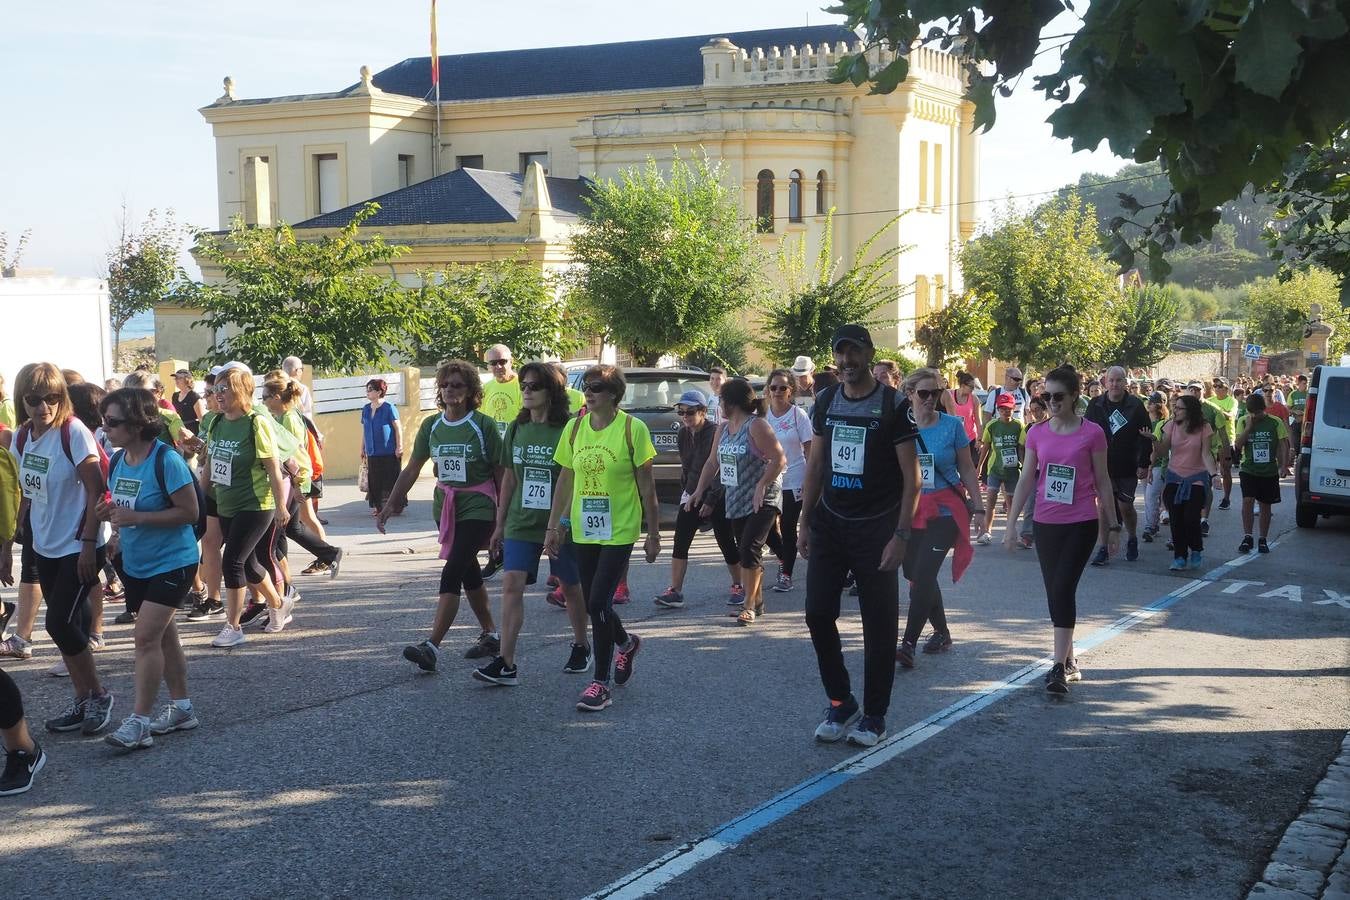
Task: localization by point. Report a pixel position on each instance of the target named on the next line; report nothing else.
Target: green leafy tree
(1051, 292)
(727, 349)
(1227, 268)
(142, 267)
(329, 301)
(1221, 93)
(468, 308)
(958, 330)
(1195, 304)
(903, 361)
(818, 300)
(1312, 221)
(664, 259)
(1148, 325)
(1278, 311)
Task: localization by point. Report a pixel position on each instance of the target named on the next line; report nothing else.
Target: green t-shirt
(1260, 452)
(1157, 438)
(606, 506)
(173, 427)
(464, 453)
(235, 450)
(291, 444)
(7, 413)
(1005, 438)
(502, 401)
(1224, 423)
(1298, 403)
(528, 452)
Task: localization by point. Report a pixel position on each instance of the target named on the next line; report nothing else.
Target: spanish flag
(435, 57)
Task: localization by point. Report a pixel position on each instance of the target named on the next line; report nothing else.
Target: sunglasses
(594, 388)
(1056, 397)
(531, 386)
(49, 399)
(778, 389)
(452, 385)
(685, 413)
(218, 389)
(498, 362)
(1018, 378)
(110, 422)
(926, 394)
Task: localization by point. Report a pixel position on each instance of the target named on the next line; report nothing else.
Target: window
(405, 170)
(923, 173)
(469, 162)
(937, 174)
(764, 202)
(922, 304)
(939, 293)
(537, 156)
(795, 196)
(327, 186)
(821, 206)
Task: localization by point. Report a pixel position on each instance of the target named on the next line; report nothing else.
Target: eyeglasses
(452, 385)
(685, 413)
(531, 386)
(1056, 397)
(778, 388)
(36, 400)
(218, 389)
(110, 422)
(925, 394)
(499, 362)
(596, 387)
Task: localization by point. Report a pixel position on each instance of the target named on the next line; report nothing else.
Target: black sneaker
(1101, 557)
(97, 713)
(1225, 503)
(336, 565)
(254, 614)
(579, 662)
(71, 718)
(904, 655)
(1246, 545)
(938, 642)
(1056, 681)
(6, 612)
(424, 654)
(487, 645)
(21, 768)
(1204, 528)
(493, 566)
(1147, 536)
(207, 610)
(125, 617)
(623, 659)
(1262, 546)
(837, 721)
(497, 672)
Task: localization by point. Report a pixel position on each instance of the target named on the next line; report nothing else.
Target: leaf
(891, 77)
(858, 70)
(1266, 46)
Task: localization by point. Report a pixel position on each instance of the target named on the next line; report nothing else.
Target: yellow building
(759, 101)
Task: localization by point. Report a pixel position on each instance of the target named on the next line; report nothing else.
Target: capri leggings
(1063, 551)
(783, 539)
(28, 571)
(249, 536)
(751, 532)
(461, 570)
(298, 531)
(686, 526)
(926, 552)
(11, 702)
(69, 616)
(602, 567)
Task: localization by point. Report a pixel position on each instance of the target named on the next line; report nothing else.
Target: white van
(1322, 473)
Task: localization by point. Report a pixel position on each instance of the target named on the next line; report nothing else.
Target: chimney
(257, 192)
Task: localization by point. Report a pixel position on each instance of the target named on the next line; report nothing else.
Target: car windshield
(658, 391)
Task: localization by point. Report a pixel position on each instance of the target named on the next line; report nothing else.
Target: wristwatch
(1115, 527)
(903, 533)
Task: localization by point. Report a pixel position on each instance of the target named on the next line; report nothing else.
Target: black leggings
(783, 539)
(1063, 551)
(298, 531)
(461, 569)
(602, 567)
(249, 539)
(686, 526)
(1185, 516)
(381, 474)
(926, 551)
(69, 617)
(11, 703)
(751, 532)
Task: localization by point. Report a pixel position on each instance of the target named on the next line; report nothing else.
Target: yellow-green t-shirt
(1227, 406)
(291, 423)
(502, 401)
(235, 450)
(606, 506)
(173, 426)
(575, 400)
(7, 413)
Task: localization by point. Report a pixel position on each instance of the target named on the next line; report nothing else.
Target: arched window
(795, 196)
(764, 202)
(822, 205)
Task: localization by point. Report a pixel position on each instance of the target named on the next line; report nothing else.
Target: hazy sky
(100, 100)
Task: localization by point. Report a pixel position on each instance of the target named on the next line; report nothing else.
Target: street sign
(1252, 351)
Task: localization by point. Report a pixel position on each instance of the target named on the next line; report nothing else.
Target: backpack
(627, 436)
(159, 449)
(24, 530)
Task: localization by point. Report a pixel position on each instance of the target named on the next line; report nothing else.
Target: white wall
(57, 320)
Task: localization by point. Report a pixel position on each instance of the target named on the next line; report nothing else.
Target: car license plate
(666, 441)
(1333, 481)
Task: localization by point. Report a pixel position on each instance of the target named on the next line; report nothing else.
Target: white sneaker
(133, 735)
(173, 719)
(985, 539)
(16, 647)
(59, 670)
(96, 643)
(229, 637)
(278, 619)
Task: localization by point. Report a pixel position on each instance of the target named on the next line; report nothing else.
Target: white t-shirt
(714, 409)
(306, 402)
(1018, 394)
(56, 494)
(793, 430)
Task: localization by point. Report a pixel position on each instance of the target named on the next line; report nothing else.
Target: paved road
(327, 764)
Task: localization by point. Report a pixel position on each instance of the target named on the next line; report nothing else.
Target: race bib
(597, 522)
(537, 492)
(1261, 453)
(728, 467)
(451, 466)
(1009, 457)
(222, 468)
(926, 470)
(35, 478)
(1059, 483)
(501, 430)
(1117, 421)
(848, 448)
(124, 492)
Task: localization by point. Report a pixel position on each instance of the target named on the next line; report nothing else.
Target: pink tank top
(967, 413)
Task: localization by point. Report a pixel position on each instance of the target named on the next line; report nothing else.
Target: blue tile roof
(631, 65)
(461, 197)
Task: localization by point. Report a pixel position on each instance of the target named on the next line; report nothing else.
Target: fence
(337, 414)
(333, 395)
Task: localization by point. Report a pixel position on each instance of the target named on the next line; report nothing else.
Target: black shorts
(315, 488)
(1124, 488)
(28, 570)
(211, 511)
(164, 588)
(1263, 489)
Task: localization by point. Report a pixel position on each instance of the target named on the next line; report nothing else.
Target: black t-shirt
(1126, 448)
(862, 478)
(186, 407)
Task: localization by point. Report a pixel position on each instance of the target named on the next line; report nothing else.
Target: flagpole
(436, 85)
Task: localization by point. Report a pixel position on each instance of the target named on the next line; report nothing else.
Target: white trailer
(44, 318)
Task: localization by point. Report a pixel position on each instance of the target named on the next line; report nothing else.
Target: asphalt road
(328, 765)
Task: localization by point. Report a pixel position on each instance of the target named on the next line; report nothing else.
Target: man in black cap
(858, 502)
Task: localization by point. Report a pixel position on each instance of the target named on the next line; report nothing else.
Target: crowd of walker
(188, 504)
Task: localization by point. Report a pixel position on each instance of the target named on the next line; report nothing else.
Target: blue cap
(693, 398)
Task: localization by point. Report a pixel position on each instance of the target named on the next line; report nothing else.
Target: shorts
(1264, 489)
(211, 511)
(315, 488)
(1124, 488)
(997, 479)
(523, 556)
(28, 570)
(164, 588)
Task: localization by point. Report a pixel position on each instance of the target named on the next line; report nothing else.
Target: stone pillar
(257, 192)
(1318, 340)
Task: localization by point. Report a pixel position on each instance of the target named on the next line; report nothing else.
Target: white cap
(802, 365)
(217, 371)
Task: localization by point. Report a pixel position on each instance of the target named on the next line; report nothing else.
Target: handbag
(363, 477)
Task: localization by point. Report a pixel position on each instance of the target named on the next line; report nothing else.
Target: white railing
(342, 394)
(427, 393)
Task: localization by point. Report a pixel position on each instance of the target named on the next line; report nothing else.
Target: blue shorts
(523, 556)
(996, 479)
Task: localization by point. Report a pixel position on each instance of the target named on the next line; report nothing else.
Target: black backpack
(159, 449)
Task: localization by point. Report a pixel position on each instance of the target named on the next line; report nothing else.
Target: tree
(727, 349)
(1051, 291)
(1148, 325)
(1312, 221)
(814, 304)
(142, 267)
(10, 260)
(1221, 93)
(323, 300)
(468, 308)
(664, 259)
(1278, 311)
(958, 330)
(1226, 268)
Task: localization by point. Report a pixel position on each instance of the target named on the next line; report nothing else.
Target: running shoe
(424, 654)
(97, 713)
(1178, 564)
(97, 644)
(1166, 520)
(1147, 535)
(1027, 542)
(555, 598)
(114, 592)
(579, 661)
(59, 670)
(1056, 682)
(938, 642)
(595, 698)
(278, 619)
(1262, 546)
(336, 565)
(904, 654)
(70, 719)
(16, 647)
(853, 590)
(6, 613)
(252, 613)
(497, 672)
(1225, 503)
(207, 610)
(133, 735)
(292, 593)
(174, 718)
(493, 566)
(1132, 550)
(1171, 547)
(1072, 672)
(623, 659)
(1204, 527)
(670, 599)
(837, 720)
(783, 584)
(317, 567)
(195, 598)
(488, 645)
(229, 637)
(868, 731)
(621, 594)
(125, 617)
(1197, 559)
(1101, 557)
(985, 539)
(1246, 545)
(21, 768)
(737, 597)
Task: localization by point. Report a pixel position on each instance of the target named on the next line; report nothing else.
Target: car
(1322, 470)
(651, 397)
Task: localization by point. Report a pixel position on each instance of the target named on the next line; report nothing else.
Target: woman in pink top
(963, 404)
(1190, 467)
(1068, 453)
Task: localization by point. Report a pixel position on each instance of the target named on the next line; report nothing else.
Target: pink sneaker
(594, 698)
(555, 597)
(621, 595)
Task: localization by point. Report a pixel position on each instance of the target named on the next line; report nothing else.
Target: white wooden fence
(343, 394)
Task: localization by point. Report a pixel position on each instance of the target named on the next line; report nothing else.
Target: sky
(100, 100)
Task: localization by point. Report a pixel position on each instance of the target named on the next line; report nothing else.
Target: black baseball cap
(855, 334)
